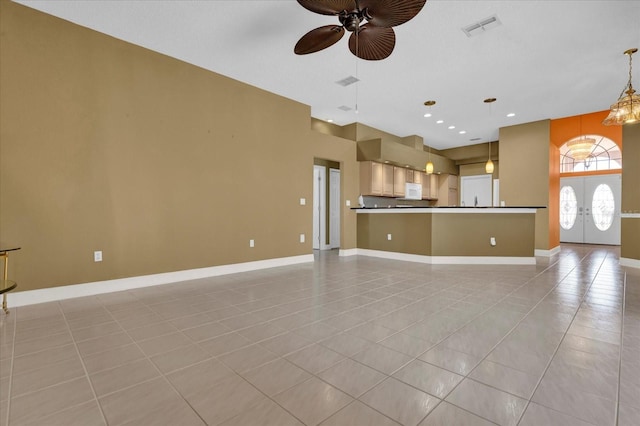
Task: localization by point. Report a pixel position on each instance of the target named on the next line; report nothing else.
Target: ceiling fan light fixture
(370, 23)
(627, 109)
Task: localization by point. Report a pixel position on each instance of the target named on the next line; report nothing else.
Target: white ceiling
(547, 59)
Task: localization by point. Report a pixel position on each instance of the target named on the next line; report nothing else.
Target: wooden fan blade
(318, 39)
(328, 7)
(391, 13)
(373, 43)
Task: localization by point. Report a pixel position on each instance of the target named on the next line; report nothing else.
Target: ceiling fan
(373, 40)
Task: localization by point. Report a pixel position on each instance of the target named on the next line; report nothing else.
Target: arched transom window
(605, 155)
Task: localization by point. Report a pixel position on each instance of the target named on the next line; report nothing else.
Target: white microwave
(413, 191)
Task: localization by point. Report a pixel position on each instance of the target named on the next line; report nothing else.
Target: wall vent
(347, 81)
(481, 26)
(344, 108)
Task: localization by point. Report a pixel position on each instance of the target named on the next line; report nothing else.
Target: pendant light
(429, 167)
(489, 166)
(627, 109)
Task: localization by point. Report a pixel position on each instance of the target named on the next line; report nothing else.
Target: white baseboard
(31, 297)
(547, 253)
(348, 252)
(631, 263)
(449, 260)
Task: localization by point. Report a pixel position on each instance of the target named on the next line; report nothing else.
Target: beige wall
(160, 164)
(631, 191)
(524, 172)
(448, 234)
(479, 169)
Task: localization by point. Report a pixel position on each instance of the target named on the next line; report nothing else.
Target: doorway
(326, 204)
(475, 190)
(590, 209)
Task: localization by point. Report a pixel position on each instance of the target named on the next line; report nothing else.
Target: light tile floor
(342, 341)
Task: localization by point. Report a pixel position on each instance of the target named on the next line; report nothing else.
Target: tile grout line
(624, 298)
(84, 368)
(437, 343)
(13, 350)
(148, 358)
(466, 376)
(562, 340)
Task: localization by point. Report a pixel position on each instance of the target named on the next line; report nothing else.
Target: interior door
(334, 208)
(475, 190)
(590, 209)
(319, 206)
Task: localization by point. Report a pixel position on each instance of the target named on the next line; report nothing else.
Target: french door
(590, 209)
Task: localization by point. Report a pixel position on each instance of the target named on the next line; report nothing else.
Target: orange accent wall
(562, 130)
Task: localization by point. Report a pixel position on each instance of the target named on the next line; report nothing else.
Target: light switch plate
(303, 201)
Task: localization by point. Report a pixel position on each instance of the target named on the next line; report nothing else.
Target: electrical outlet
(492, 241)
(252, 243)
(97, 256)
(389, 237)
(302, 238)
(303, 201)
(348, 202)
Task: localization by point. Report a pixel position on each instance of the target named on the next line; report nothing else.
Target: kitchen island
(449, 235)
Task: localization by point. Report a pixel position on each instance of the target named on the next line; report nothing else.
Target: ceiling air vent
(475, 139)
(347, 81)
(481, 26)
(344, 108)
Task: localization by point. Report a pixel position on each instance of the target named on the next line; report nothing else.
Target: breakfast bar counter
(449, 235)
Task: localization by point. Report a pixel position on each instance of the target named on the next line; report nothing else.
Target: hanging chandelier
(627, 109)
(581, 148)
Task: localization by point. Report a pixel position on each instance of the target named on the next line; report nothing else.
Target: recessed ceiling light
(440, 121)
(330, 120)
(452, 127)
(511, 114)
(427, 115)
(462, 132)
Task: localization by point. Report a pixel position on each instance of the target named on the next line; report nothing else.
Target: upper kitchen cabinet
(399, 179)
(429, 186)
(376, 179)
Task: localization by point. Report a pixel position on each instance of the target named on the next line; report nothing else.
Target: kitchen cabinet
(399, 179)
(448, 188)
(429, 187)
(387, 180)
(376, 179)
